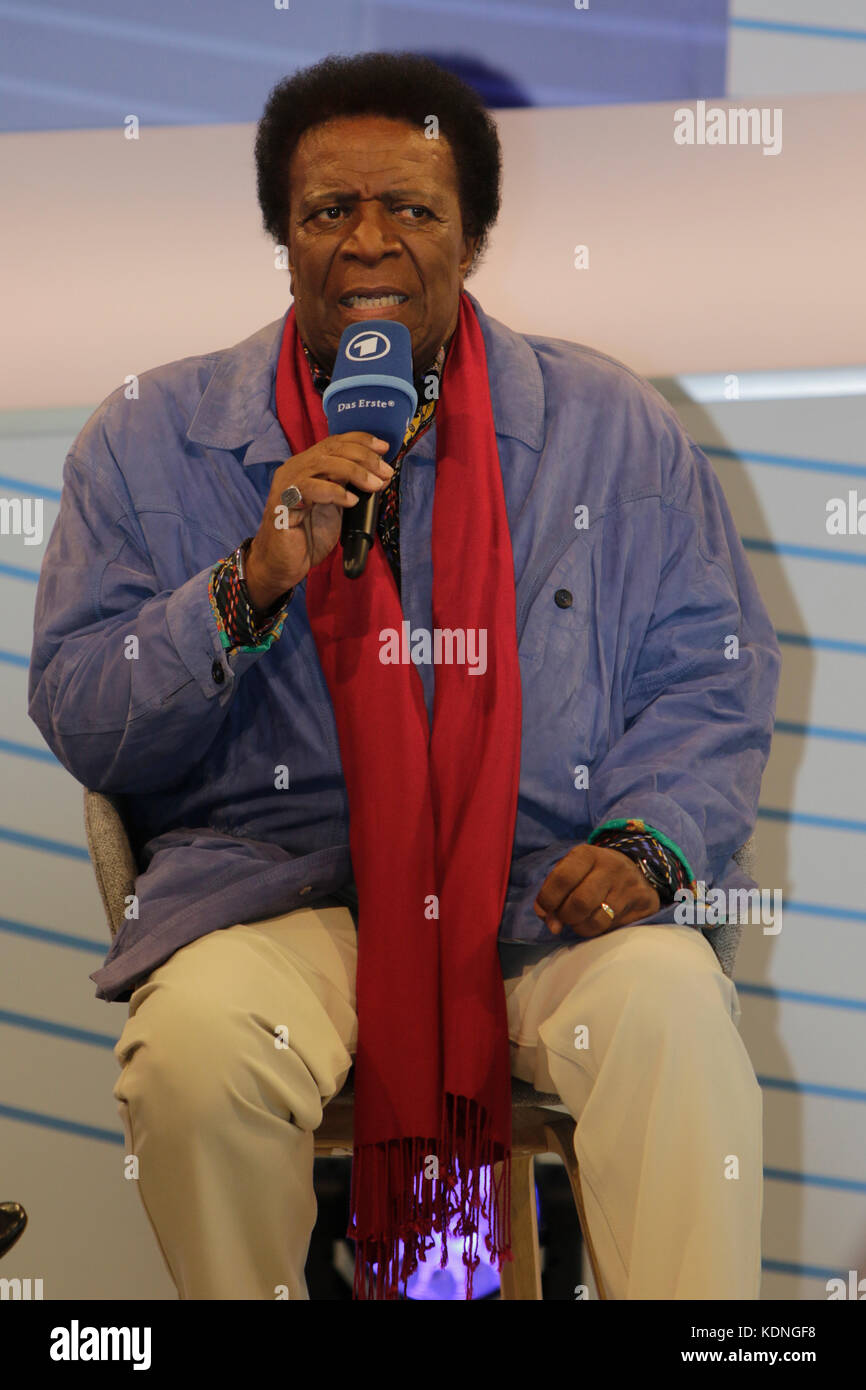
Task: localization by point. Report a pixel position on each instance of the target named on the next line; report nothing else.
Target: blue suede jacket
(631, 583)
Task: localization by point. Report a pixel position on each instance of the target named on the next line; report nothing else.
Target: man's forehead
(350, 154)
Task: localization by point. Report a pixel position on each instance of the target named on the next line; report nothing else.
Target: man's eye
(323, 214)
(414, 208)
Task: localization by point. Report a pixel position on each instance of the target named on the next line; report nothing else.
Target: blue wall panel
(209, 61)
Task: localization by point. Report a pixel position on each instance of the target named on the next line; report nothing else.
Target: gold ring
(605, 907)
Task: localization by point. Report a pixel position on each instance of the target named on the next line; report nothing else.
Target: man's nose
(371, 233)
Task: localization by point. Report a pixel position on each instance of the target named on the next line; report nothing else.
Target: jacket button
(218, 673)
(562, 598)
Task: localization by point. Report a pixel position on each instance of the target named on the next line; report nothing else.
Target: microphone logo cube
(371, 388)
(367, 346)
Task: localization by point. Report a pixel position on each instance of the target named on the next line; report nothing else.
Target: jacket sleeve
(699, 710)
(129, 684)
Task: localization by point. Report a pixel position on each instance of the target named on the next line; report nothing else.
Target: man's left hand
(589, 875)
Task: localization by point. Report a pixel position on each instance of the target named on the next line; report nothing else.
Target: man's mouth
(373, 300)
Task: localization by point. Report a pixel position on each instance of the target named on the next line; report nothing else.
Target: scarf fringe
(447, 1197)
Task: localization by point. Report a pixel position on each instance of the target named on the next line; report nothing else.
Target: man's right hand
(281, 556)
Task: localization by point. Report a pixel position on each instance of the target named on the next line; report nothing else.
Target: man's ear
(471, 246)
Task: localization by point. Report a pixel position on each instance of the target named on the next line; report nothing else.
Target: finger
(363, 471)
(338, 448)
(321, 490)
(317, 491)
(363, 437)
(337, 460)
(630, 912)
(564, 877)
(582, 906)
(365, 481)
(596, 923)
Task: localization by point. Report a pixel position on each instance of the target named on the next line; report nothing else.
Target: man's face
(374, 211)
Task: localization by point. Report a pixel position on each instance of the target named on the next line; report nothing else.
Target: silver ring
(605, 907)
(291, 497)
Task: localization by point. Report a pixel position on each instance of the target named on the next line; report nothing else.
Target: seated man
(349, 838)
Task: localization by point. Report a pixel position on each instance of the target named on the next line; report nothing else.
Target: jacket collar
(238, 406)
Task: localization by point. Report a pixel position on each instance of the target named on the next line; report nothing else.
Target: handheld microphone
(371, 389)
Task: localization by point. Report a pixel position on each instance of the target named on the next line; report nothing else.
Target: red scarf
(431, 831)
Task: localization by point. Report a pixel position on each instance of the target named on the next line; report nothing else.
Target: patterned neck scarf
(389, 508)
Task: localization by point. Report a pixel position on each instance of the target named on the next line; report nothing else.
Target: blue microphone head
(371, 385)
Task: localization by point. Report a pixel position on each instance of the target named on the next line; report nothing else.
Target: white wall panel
(796, 46)
(702, 258)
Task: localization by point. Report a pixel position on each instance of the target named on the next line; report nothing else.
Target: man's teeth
(366, 301)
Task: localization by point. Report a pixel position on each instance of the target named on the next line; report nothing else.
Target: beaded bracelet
(240, 625)
(660, 866)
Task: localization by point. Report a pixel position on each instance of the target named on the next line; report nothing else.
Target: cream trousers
(635, 1030)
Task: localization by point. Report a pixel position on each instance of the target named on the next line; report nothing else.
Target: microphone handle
(358, 531)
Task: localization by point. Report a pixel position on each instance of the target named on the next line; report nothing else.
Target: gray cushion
(110, 853)
(725, 938)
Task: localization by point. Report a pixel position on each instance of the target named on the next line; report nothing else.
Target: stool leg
(560, 1139)
(521, 1277)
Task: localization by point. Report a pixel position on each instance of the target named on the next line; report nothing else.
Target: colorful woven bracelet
(239, 626)
(660, 866)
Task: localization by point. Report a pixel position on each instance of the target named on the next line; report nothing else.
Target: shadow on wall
(703, 426)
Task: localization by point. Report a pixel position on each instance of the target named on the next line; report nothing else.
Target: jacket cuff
(193, 630)
(238, 624)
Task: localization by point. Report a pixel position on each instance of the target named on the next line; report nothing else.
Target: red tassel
(405, 1207)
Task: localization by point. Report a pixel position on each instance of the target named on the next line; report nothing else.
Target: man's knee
(180, 1039)
(658, 984)
(195, 1054)
(675, 965)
